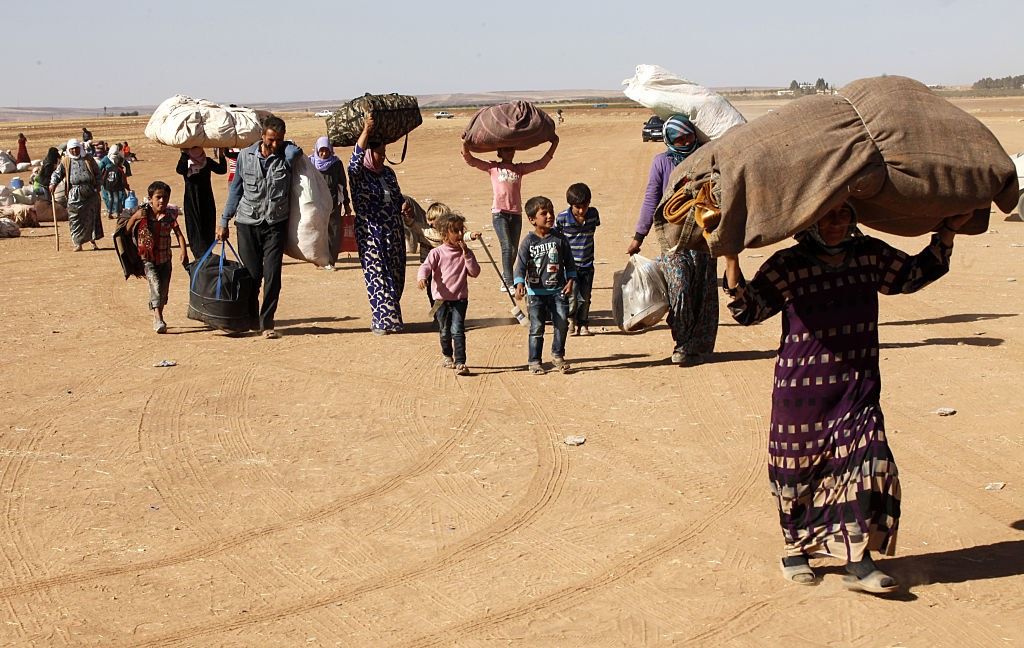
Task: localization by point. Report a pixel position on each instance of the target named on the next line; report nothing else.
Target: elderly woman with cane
(81, 177)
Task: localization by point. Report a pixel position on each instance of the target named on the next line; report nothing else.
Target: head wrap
(73, 143)
(323, 165)
(52, 156)
(196, 160)
(116, 158)
(675, 126)
(368, 160)
(811, 238)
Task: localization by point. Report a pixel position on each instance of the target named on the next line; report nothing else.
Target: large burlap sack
(902, 156)
(184, 122)
(518, 125)
(667, 93)
(310, 214)
(22, 215)
(639, 295)
(394, 117)
(44, 211)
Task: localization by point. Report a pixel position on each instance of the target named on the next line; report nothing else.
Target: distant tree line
(1005, 83)
(820, 85)
(134, 113)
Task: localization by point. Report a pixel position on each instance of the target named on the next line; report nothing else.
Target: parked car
(652, 129)
(323, 113)
(443, 114)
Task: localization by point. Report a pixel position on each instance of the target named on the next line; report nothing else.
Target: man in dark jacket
(259, 199)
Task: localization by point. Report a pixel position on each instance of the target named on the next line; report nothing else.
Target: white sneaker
(329, 268)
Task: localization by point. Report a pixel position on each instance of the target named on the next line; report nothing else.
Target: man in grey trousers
(259, 199)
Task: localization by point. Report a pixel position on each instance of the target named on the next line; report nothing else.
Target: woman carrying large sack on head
(507, 208)
(200, 206)
(690, 275)
(81, 176)
(380, 234)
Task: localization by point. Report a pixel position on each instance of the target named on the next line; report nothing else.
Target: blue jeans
(508, 228)
(583, 286)
(543, 307)
(451, 318)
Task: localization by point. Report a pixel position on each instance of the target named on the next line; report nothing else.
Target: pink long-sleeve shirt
(449, 272)
(506, 181)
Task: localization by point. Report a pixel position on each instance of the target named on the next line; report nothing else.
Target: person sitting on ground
(151, 226)
(831, 470)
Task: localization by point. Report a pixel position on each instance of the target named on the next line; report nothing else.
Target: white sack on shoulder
(640, 295)
(184, 122)
(667, 93)
(310, 214)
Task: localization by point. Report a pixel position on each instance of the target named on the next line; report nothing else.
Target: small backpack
(113, 179)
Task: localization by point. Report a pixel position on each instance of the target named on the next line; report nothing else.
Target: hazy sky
(142, 52)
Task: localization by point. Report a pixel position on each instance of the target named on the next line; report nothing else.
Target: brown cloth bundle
(902, 156)
(518, 124)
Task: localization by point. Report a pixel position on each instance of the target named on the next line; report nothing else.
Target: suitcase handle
(220, 268)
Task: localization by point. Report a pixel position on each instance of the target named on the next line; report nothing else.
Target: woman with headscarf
(199, 205)
(333, 171)
(830, 467)
(114, 185)
(81, 177)
(22, 156)
(380, 234)
(691, 276)
(47, 168)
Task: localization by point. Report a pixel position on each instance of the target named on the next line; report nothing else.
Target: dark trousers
(542, 308)
(508, 228)
(262, 250)
(582, 288)
(451, 318)
(201, 230)
(334, 236)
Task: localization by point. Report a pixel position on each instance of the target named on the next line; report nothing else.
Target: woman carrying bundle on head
(380, 234)
(691, 276)
(200, 206)
(830, 467)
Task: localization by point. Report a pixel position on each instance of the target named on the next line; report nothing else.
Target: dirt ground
(340, 489)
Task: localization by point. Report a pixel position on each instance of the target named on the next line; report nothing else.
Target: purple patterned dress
(830, 466)
(380, 236)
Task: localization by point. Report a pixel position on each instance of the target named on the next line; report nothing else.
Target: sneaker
(678, 357)
(447, 362)
(329, 268)
(536, 368)
(561, 364)
(461, 370)
(271, 334)
(585, 331)
(160, 326)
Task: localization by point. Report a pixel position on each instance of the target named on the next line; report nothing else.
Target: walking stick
(516, 311)
(56, 225)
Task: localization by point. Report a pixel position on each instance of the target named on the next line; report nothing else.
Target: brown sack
(519, 125)
(44, 211)
(904, 157)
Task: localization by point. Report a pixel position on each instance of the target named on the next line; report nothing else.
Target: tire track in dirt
(15, 470)
(628, 567)
(426, 462)
(543, 489)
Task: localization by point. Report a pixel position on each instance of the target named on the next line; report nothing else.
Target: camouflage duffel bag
(395, 116)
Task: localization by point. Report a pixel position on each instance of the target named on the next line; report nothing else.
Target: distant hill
(44, 113)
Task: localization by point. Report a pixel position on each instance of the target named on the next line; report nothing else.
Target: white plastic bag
(184, 122)
(667, 93)
(639, 295)
(310, 214)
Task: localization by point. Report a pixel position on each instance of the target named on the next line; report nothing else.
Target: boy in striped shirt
(577, 224)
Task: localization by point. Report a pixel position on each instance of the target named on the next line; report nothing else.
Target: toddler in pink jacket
(448, 268)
